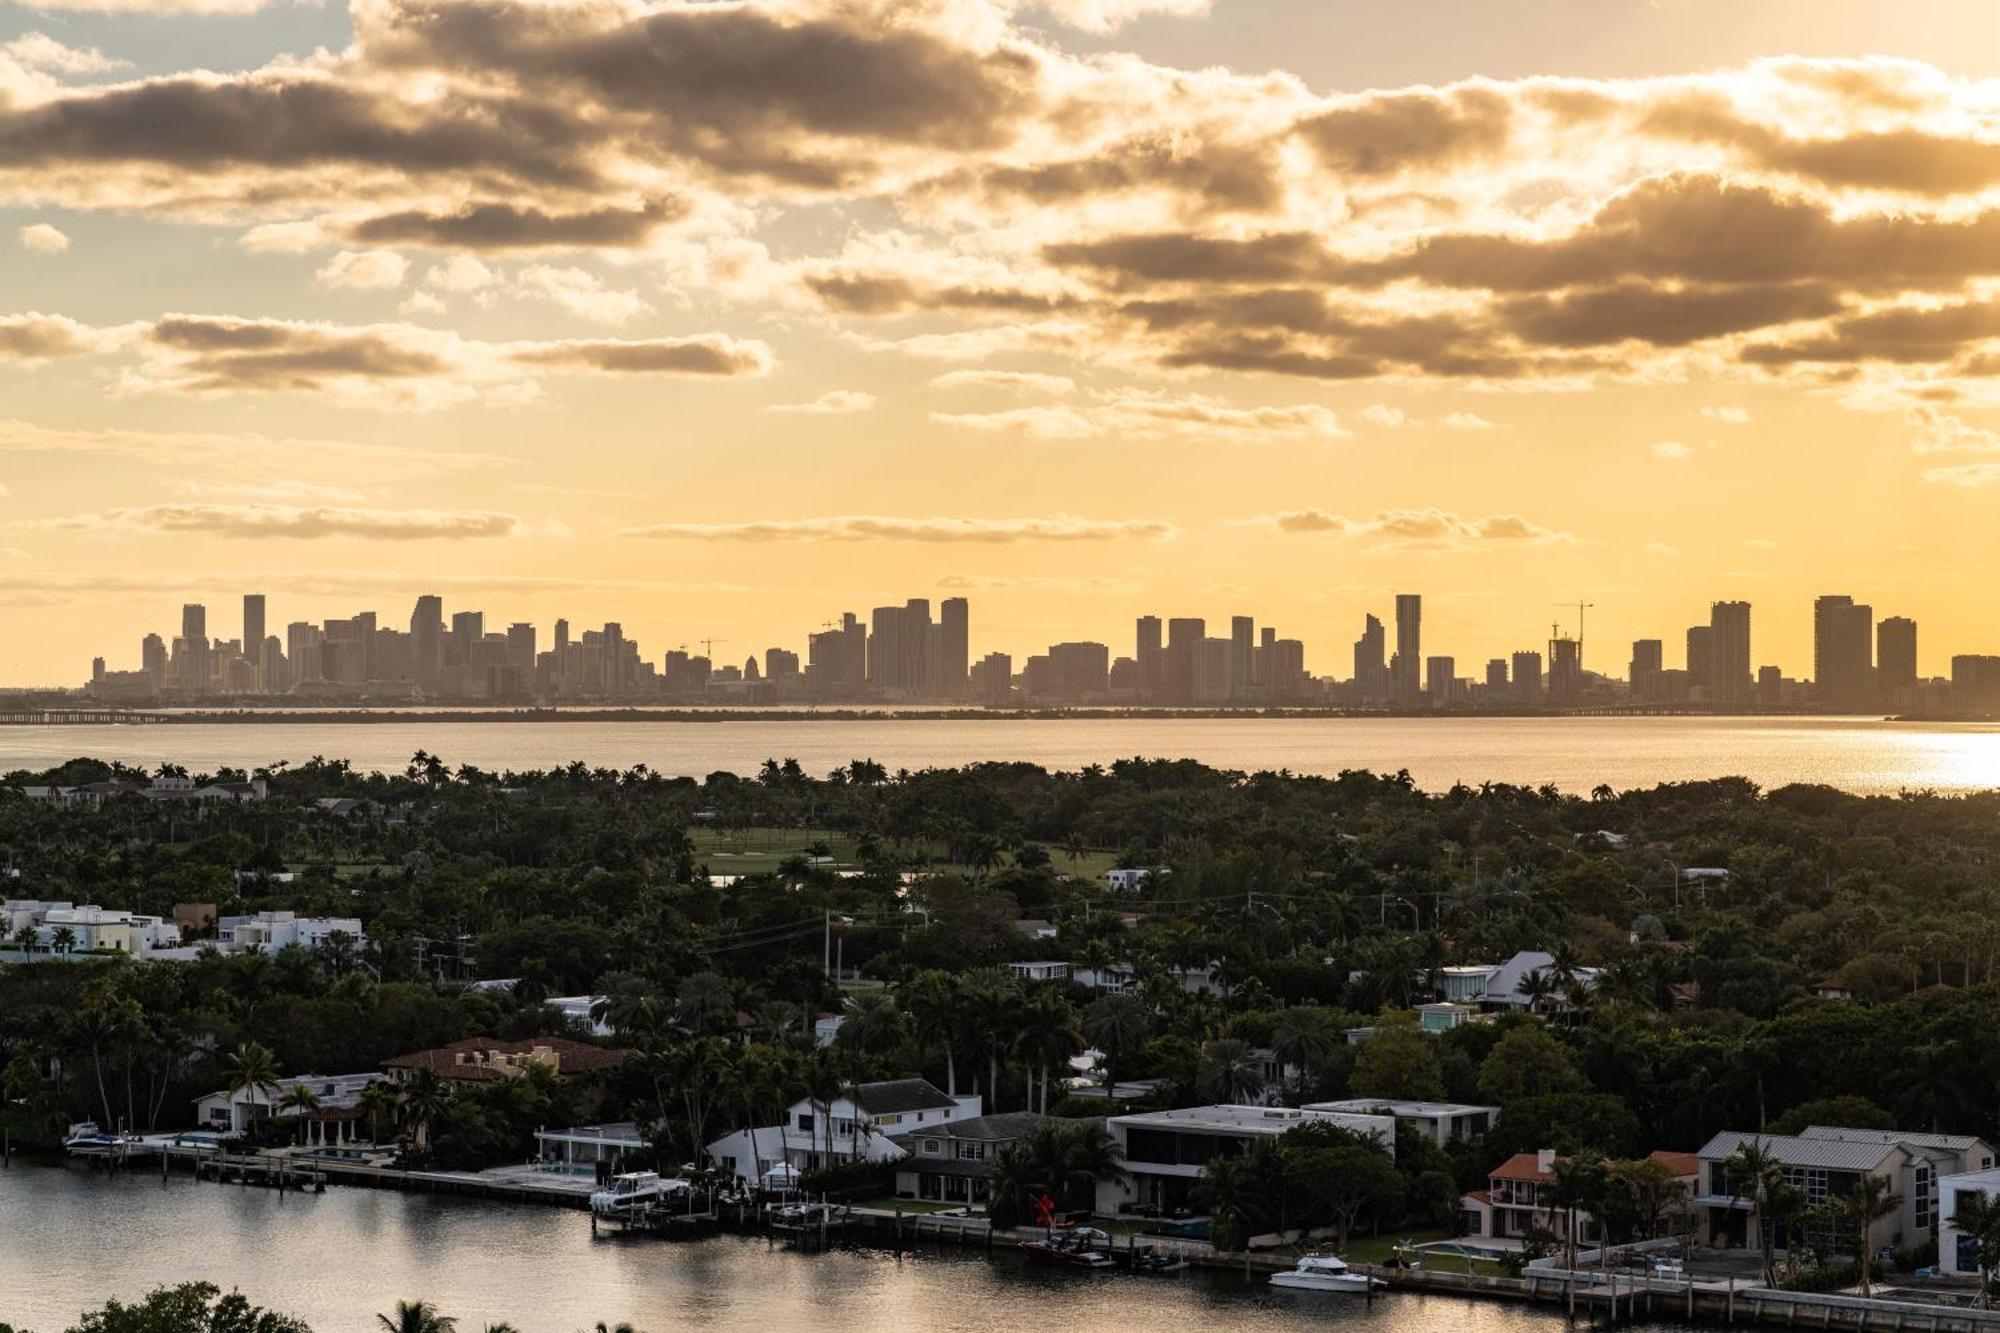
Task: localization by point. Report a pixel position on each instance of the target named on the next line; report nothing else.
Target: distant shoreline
(366, 715)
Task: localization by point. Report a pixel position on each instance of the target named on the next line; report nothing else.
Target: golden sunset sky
(718, 319)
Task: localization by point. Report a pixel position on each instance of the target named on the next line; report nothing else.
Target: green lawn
(1380, 1249)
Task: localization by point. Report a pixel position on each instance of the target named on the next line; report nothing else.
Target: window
(844, 1128)
(806, 1123)
(933, 1147)
(970, 1151)
(1923, 1194)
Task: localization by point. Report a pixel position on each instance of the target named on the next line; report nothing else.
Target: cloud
(1659, 549)
(36, 337)
(1103, 16)
(1467, 421)
(1968, 476)
(864, 527)
(1728, 416)
(229, 455)
(705, 355)
(1425, 529)
(39, 51)
(1141, 413)
(1941, 433)
(42, 239)
(460, 273)
(1381, 414)
(492, 226)
(834, 402)
(581, 293)
(146, 7)
(1041, 423)
(1673, 450)
(1022, 381)
(362, 270)
(303, 522)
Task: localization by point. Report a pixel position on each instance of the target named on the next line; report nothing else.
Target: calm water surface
(71, 1238)
(1857, 754)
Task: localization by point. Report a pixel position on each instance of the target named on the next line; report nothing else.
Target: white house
(1166, 1152)
(857, 1125)
(1825, 1161)
(1958, 1253)
(1440, 1122)
(588, 1150)
(90, 928)
(235, 1112)
(1040, 970)
(268, 932)
(578, 1008)
(1133, 879)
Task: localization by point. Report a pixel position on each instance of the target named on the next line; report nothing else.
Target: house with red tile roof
(490, 1059)
(1519, 1201)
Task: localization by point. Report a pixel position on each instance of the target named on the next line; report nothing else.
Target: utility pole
(826, 946)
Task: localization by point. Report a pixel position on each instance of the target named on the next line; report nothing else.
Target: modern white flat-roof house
(579, 1009)
(1046, 969)
(860, 1124)
(86, 928)
(1166, 1152)
(1825, 1161)
(1440, 1122)
(1958, 1253)
(268, 932)
(588, 1150)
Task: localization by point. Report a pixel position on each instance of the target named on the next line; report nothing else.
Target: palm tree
(1048, 1036)
(376, 1103)
(63, 940)
(416, 1317)
(932, 1001)
(1978, 1216)
(1307, 1038)
(252, 1068)
(424, 1099)
(300, 1101)
(1119, 1025)
(1579, 1183)
(1870, 1202)
(1229, 1071)
(1758, 1176)
(875, 1025)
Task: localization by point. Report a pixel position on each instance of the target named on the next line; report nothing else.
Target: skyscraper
(1565, 672)
(1895, 656)
(954, 655)
(1843, 651)
(1700, 656)
(1371, 663)
(194, 648)
(427, 639)
(1648, 660)
(1729, 680)
(1408, 661)
(1149, 654)
(1527, 680)
(1185, 636)
(1242, 656)
(253, 628)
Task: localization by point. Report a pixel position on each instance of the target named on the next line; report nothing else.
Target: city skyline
(1306, 310)
(899, 652)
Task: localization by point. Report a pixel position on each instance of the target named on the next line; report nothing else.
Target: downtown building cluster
(906, 654)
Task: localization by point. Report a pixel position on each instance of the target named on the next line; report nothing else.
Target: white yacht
(634, 1190)
(1324, 1272)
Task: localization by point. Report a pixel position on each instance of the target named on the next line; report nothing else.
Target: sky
(719, 319)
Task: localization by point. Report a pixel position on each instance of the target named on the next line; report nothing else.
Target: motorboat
(85, 1139)
(634, 1191)
(1074, 1247)
(1325, 1272)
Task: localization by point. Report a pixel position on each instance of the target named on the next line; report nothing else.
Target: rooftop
(998, 1128)
(1832, 1154)
(902, 1094)
(1953, 1142)
(1246, 1119)
(1404, 1110)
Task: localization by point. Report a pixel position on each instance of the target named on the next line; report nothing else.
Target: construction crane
(708, 647)
(1581, 606)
